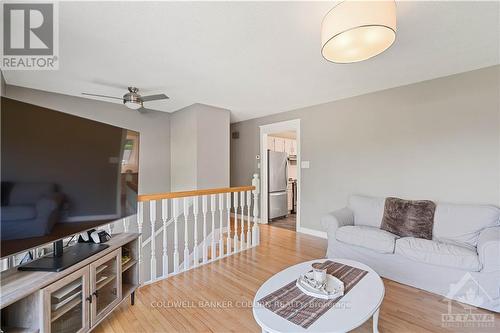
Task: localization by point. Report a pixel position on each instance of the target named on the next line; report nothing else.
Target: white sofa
(463, 256)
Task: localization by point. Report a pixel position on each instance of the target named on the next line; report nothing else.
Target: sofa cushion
(367, 210)
(15, 213)
(368, 237)
(29, 193)
(409, 218)
(463, 223)
(437, 253)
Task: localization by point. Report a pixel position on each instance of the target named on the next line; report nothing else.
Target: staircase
(183, 230)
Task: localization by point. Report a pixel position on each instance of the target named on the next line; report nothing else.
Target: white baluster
(242, 234)
(204, 210)
(126, 223)
(249, 232)
(221, 217)
(4, 264)
(195, 246)
(140, 219)
(186, 239)
(212, 241)
(164, 217)
(152, 218)
(256, 192)
(228, 207)
(175, 211)
(235, 203)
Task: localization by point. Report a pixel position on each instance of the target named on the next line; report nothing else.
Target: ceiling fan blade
(96, 95)
(154, 97)
(111, 84)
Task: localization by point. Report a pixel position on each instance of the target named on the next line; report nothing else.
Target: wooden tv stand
(76, 299)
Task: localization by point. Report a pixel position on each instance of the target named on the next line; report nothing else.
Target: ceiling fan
(133, 100)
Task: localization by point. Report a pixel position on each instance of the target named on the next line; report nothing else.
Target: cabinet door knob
(89, 299)
(95, 293)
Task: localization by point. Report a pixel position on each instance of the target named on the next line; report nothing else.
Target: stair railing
(183, 230)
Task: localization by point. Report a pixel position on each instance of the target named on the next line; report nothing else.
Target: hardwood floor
(289, 222)
(217, 297)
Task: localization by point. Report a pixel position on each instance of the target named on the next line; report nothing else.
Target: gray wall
(183, 143)
(154, 129)
(437, 140)
(213, 147)
(200, 148)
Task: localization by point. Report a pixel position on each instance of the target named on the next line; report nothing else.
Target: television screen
(61, 174)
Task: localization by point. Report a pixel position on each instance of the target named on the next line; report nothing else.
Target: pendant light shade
(358, 30)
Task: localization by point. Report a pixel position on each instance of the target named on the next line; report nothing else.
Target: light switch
(304, 164)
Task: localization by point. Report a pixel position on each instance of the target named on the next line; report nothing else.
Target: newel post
(140, 219)
(256, 194)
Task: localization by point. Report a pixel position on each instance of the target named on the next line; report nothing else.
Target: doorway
(280, 174)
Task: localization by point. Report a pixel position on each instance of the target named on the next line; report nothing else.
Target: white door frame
(265, 130)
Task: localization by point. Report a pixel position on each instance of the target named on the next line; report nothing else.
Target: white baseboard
(312, 232)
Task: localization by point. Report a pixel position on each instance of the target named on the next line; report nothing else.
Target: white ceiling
(253, 58)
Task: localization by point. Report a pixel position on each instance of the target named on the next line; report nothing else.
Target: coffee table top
(356, 307)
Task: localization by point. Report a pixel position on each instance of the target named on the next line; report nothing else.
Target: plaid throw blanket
(292, 304)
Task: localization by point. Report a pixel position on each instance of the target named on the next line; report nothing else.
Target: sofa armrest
(488, 248)
(48, 204)
(336, 219)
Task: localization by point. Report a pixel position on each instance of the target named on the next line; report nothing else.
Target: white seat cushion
(16, 213)
(463, 223)
(368, 237)
(367, 210)
(440, 254)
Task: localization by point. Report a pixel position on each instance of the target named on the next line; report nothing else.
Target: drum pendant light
(354, 31)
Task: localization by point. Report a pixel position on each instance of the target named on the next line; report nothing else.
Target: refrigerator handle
(286, 171)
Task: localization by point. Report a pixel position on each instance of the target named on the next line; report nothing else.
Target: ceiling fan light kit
(354, 31)
(133, 100)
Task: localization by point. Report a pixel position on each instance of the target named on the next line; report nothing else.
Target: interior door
(105, 285)
(66, 304)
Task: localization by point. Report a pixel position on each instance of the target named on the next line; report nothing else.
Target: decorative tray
(330, 289)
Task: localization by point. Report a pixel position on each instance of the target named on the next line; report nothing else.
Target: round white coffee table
(356, 307)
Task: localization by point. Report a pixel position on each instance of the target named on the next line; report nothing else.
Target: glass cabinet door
(67, 304)
(105, 276)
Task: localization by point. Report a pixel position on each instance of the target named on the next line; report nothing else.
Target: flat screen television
(61, 174)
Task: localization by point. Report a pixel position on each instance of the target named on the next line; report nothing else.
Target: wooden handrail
(183, 194)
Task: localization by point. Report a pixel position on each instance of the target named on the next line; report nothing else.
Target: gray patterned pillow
(407, 218)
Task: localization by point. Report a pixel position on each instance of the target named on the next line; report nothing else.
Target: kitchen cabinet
(279, 145)
(270, 143)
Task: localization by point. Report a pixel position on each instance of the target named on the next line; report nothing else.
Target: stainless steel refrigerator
(277, 184)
